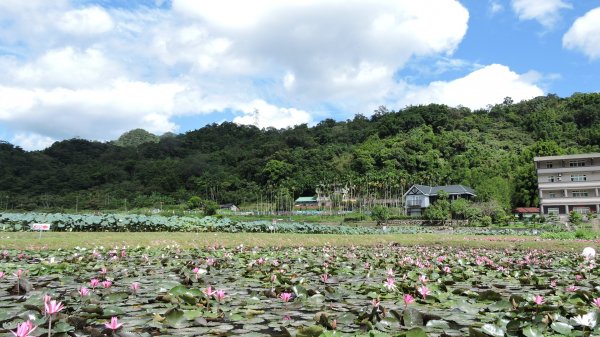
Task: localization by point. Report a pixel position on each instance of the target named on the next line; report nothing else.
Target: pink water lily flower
(408, 299)
(19, 273)
(324, 278)
(83, 291)
(24, 329)
(538, 299)
(94, 283)
(209, 291)
(390, 283)
(196, 272)
(52, 307)
(2, 274)
(286, 297)
(596, 302)
(572, 288)
(114, 324)
(424, 291)
(135, 287)
(219, 295)
(106, 284)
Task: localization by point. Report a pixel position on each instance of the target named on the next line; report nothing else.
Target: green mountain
(490, 150)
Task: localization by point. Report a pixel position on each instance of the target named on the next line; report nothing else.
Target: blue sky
(97, 68)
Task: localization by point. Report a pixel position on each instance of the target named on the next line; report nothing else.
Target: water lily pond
(319, 291)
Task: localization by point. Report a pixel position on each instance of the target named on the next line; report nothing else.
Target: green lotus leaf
(492, 330)
(561, 328)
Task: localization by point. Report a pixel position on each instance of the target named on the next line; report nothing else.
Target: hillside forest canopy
(490, 150)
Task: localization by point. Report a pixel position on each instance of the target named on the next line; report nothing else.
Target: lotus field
(319, 291)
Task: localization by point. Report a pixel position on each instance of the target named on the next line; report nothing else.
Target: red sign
(40, 226)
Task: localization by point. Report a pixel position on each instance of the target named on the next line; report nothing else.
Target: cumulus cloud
(269, 115)
(100, 113)
(96, 72)
(584, 35)
(67, 67)
(332, 47)
(87, 21)
(488, 85)
(32, 141)
(546, 12)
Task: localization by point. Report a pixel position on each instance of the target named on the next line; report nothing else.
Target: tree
(194, 202)
(136, 137)
(459, 208)
(380, 214)
(209, 207)
(440, 210)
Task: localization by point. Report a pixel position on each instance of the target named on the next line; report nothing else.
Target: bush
(484, 221)
(380, 214)
(575, 218)
(355, 217)
(586, 234)
(210, 207)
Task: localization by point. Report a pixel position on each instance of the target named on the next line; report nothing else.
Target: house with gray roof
(419, 197)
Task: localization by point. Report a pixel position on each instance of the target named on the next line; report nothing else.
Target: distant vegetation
(490, 150)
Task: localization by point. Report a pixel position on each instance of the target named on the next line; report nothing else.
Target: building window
(577, 163)
(578, 177)
(551, 179)
(553, 210)
(581, 210)
(580, 194)
(551, 194)
(549, 165)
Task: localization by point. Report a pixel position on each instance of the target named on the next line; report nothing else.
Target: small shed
(230, 207)
(306, 202)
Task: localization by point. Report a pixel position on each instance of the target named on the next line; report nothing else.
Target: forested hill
(490, 150)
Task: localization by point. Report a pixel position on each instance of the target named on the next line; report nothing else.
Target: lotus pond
(386, 290)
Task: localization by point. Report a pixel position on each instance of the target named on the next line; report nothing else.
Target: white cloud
(546, 12)
(488, 85)
(96, 72)
(32, 141)
(495, 7)
(268, 115)
(101, 113)
(584, 34)
(332, 47)
(86, 21)
(67, 68)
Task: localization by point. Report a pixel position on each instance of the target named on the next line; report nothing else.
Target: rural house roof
(450, 189)
(523, 210)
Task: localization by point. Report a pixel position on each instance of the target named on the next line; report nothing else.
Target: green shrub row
(156, 223)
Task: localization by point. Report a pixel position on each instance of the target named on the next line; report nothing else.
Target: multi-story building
(569, 183)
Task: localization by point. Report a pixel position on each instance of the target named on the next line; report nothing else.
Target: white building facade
(569, 183)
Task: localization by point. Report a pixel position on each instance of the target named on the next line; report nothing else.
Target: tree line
(380, 155)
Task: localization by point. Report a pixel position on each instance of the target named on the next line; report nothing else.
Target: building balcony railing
(570, 201)
(567, 184)
(413, 203)
(563, 170)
